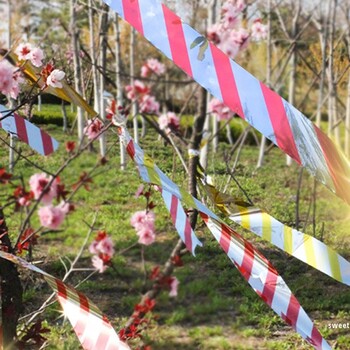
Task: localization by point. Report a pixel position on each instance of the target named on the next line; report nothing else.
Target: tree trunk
(332, 99)
(293, 62)
(76, 64)
(134, 110)
(103, 64)
(204, 151)
(118, 83)
(10, 293)
(93, 55)
(268, 78)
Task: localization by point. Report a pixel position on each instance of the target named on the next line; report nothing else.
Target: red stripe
(269, 286)
(177, 40)
(61, 289)
(83, 316)
(188, 235)
(247, 263)
(173, 208)
(21, 128)
(103, 337)
(226, 80)
(84, 302)
(293, 311)
(337, 165)
(316, 338)
(131, 149)
(280, 123)
(225, 239)
(47, 142)
(132, 14)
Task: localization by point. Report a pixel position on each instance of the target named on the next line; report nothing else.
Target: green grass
(215, 308)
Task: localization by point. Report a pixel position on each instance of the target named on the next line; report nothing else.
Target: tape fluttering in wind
(33, 74)
(27, 132)
(245, 95)
(255, 268)
(296, 243)
(90, 325)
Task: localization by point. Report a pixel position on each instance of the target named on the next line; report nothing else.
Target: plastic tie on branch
(27, 132)
(91, 327)
(245, 95)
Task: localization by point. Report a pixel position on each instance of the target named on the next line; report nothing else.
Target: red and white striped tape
(256, 269)
(261, 107)
(27, 132)
(90, 325)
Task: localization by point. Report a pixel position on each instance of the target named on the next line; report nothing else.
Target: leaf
(197, 42)
(202, 49)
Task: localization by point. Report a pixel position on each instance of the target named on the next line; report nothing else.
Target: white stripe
(203, 71)
(34, 138)
(154, 27)
(253, 101)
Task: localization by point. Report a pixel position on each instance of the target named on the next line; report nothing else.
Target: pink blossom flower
(98, 264)
(230, 15)
(24, 201)
(145, 71)
(51, 217)
(36, 56)
(38, 182)
(215, 32)
(259, 30)
(173, 284)
(149, 105)
(106, 246)
(8, 82)
(219, 109)
(55, 77)
(142, 219)
(146, 236)
(169, 120)
(240, 38)
(23, 51)
(65, 207)
(152, 66)
(137, 90)
(93, 129)
(139, 191)
(93, 247)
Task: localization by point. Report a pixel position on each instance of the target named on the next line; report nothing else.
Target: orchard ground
(215, 308)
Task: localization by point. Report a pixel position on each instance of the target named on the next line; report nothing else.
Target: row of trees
(305, 57)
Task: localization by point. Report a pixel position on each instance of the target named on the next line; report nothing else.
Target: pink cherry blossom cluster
(148, 104)
(26, 52)
(169, 121)
(143, 221)
(219, 109)
(93, 128)
(142, 93)
(50, 216)
(103, 249)
(229, 35)
(152, 66)
(10, 79)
